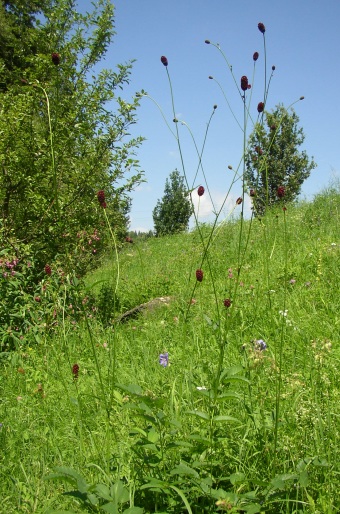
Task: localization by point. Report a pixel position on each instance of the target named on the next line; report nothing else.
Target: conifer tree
(275, 167)
(173, 211)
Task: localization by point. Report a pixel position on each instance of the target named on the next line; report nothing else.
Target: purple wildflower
(260, 345)
(164, 359)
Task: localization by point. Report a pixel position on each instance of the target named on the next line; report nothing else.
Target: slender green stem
(55, 184)
(281, 343)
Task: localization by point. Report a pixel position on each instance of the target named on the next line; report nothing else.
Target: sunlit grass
(49, 418)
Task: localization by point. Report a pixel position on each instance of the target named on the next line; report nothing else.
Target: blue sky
(302, 40)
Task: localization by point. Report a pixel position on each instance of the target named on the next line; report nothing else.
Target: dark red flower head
(239, 201)
(129, 240)
(273, 67)
(252, 192)
(75, 370)
(258, 150)
(255, 56)
(244, 83)
(101, 198)
(55, 58)
(261, 28)
(200, 191)
(164, 60)
(260, 107)
(281, 191)
(48, 270)
(207, 42)
(199, 275)
(227, 302)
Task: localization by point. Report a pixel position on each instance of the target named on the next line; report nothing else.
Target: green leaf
(119, 492)
(153, 436)
(60, 512)
(131, 388)
(279, 482)
(133, 510)
(184, 469)
(229, 372)
(111, 508)
(199, 414)
(252, 509)
(303, 478)
(229, 395)
(71, 476)
(224, 418)
(103, 491)
(237, 478)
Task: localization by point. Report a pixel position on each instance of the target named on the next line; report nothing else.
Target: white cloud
(206, 207)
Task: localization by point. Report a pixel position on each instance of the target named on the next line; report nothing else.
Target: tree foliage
(273, 159)
(173, 211)
(64, 129)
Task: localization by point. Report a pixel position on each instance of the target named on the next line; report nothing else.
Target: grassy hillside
(241, 413)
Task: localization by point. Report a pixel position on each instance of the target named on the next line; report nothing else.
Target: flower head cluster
(55, 58)
(260, 107)
(48, 270)
(244, 83)
(164, 359)
(227, 303)
(261, 28)
(101, 198)
(260, 345)
(281, 191)
(200, 191)
(239, 201)
(164, 60)
(75, 371)
(199, 275)
(255, 56)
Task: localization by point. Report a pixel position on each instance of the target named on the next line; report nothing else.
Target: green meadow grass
(225, 426)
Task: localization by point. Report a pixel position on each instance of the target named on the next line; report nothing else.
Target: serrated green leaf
(71, 476)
